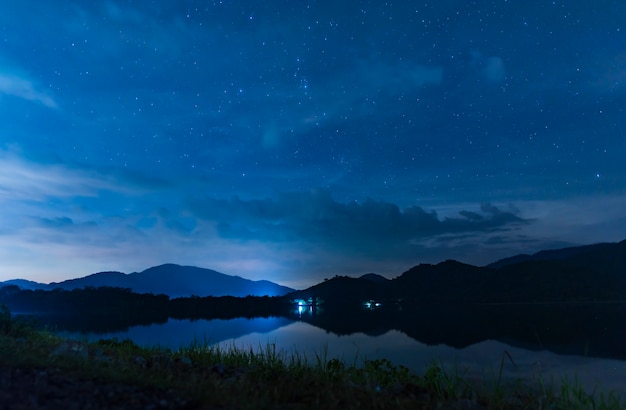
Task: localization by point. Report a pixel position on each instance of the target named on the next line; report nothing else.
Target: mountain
(24, 284)
(169, 279)
(609, 258)
(374, 277)
(584, 273)
(587, 273)
(446, 282)
(553, 254)
(175, 280)
(96, 280)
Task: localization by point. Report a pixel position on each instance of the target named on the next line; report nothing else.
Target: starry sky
(298, 140)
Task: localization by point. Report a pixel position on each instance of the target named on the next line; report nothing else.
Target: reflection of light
(304, 306)
(371, 304)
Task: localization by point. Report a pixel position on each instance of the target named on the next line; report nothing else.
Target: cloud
(611, 75)
(22, 88)
(494, 70)
(491, 69)
(24, 180)
(63, 224)
(575, 221)
(125, 15)
(21, 179)
(58, 222)
(381, 76)
(356, 92)
(370, 226)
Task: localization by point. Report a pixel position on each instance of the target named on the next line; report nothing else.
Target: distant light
(372, 304)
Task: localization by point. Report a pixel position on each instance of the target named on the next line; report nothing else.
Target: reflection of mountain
(90, 322)
(159, 329)
(176, 333)
(169, 279)
(224, 330)
(581, 329)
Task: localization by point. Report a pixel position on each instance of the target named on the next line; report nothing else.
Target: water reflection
(481, 360)
(177, 333)
(548, 341)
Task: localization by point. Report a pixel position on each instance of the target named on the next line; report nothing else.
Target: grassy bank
(211, 377)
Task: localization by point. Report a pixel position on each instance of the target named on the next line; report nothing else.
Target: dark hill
(373, 277)
(96, 280)
(343, 290)
(448, 282)
(176, 280)
(558, 280)
(588, 273)
(172, 280)
(608, 258)
(24, 284)
(554, 254)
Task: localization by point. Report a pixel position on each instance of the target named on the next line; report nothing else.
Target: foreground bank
(39, 369)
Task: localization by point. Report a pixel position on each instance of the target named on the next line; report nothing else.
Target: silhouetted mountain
(97, 280)
(584, 273)
(555, 280)
(175, 280)
(24, 284)
(608, 258)
(172, 280)
(343, 290)
(373, 277)
(588, 273)
(553, 254)
(448, 282)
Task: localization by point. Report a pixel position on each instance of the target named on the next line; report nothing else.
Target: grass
(213, 376)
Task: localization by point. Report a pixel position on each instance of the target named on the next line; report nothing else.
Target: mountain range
(587, 273)
(169, 279)
(583, 273)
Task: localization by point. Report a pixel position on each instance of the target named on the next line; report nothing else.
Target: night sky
(298, 140)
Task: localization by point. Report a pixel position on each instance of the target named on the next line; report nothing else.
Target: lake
(586, 342)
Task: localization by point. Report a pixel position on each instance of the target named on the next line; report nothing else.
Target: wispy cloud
(21, 179)
(21, 87)
(576, 221)
(376, 76)
(492, 69)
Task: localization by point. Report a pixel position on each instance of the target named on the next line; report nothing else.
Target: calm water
(475, 358)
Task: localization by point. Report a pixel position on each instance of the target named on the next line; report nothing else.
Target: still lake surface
(586, 343)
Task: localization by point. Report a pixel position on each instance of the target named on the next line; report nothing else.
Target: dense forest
(108, 308)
